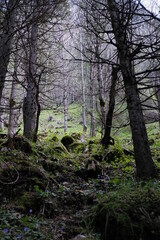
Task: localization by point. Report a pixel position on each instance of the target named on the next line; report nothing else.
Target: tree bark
(83, 91)
(65, 101)
(30, 105)
(107, 139)
(12, 125)
(2, 110)
(100, 85)
(157, 94)
(144, 163)
(92, 102)
(6, 39)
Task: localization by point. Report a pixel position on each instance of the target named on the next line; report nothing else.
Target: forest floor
(72, 188)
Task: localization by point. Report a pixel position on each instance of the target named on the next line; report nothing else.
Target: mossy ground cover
(78, 190)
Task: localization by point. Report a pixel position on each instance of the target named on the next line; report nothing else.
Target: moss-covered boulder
(67, 141)
(92, 169)
(53, 147)
(76, 136)
(78, 147)
(55, 139)
(114, 153)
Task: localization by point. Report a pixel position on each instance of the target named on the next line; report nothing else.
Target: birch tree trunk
(83, 90)
(65, 96)
(6, 39)
(12, 125)
(30, 107)
(144, 163)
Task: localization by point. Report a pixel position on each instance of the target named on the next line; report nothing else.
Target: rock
(78, 147)
(67, 141)
(79, 237)
(50, 118)
(91, 170)
(4, 149)
(76, 136)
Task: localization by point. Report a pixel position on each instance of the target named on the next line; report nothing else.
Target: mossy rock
(56, 149)
(59, 149)
(114, 153)
(67, 141)
(55, 139)
(78, 147)
(97, 149)
(92, 169)
(76, 136)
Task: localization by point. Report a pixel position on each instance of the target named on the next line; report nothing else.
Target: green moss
(76, 136)
(77, 147)
(27, 200)
(132, 212)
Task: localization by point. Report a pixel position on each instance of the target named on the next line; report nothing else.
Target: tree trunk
(107, 139)
(6, 38)
(30, 107)
(144, 163)
(2, 110)
(100, 85)
(92, 104)
(12, 125)
(83, 91)
(157, 94)
(65, 101)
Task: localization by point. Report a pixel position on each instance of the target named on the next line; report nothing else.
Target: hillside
(71, 187)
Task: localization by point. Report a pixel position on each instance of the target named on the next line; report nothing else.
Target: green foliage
(77, 147)
(53, 147)
(131, 212)
(14, 225)
(56, 183)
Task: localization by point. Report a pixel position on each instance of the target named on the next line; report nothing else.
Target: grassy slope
(46, 195)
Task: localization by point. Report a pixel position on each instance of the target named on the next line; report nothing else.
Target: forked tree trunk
(144, 163)
(107, 139)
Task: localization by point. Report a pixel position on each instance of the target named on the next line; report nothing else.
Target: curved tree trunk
(143, 158)
(107, 139)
